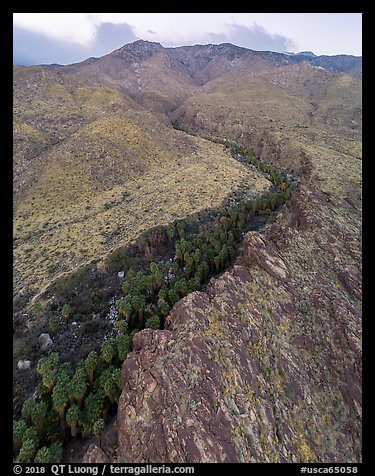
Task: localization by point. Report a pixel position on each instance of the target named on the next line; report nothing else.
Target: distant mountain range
(341, 63)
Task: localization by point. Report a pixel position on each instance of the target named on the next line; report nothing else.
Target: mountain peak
(142, 42)
(138, 50)
(306, 53)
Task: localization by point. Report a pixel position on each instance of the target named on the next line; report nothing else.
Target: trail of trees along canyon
(187, 257)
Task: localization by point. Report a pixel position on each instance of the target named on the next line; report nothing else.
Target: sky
(64, 38)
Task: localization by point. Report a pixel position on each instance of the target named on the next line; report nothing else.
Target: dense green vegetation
(79, 401)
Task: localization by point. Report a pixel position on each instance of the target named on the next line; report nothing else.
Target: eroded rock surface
(95, 454)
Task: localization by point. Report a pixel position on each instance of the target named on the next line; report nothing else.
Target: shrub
(53, 324)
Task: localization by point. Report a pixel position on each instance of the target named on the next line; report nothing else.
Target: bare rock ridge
(262, 367)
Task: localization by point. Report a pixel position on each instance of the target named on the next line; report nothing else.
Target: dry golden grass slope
(93, 169)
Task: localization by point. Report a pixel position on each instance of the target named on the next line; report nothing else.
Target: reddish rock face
(264, 366)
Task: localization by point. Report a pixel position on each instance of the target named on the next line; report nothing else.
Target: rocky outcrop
(95, 454)
(264, 366)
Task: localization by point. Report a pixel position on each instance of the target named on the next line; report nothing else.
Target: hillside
(263, 362)
(92, 169)
(312, 113)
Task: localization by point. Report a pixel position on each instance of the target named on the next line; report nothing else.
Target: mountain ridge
(147, 48)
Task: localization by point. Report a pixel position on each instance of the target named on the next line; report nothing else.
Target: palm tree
(217, 263)
(56, 452)
(19, 428)
(153, 322)
(178, 251)
(173, 296)
(66, 312)
(27, 451)
(90, 365)
(125, 308)
(163, 307)
(123, 345)
(139, 303)
(170, 231)
(197, 257)
(98, 428)
(203, 270)
(78, 386)
(181, 229)
(122, 326)
(108, 350)
(46, 367)
(43, 456)
(49, 379)
(92, 410)
(110, 382)
(38, 413)
(72, 417)
(27, 408)
(60, 399)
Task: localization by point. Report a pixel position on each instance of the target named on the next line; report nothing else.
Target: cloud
(30, 47)
(111, 36)
(79, 28)
(70, 38)
(253, 37)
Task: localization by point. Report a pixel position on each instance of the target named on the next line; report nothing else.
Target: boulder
(24, 364)
(44, 341)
